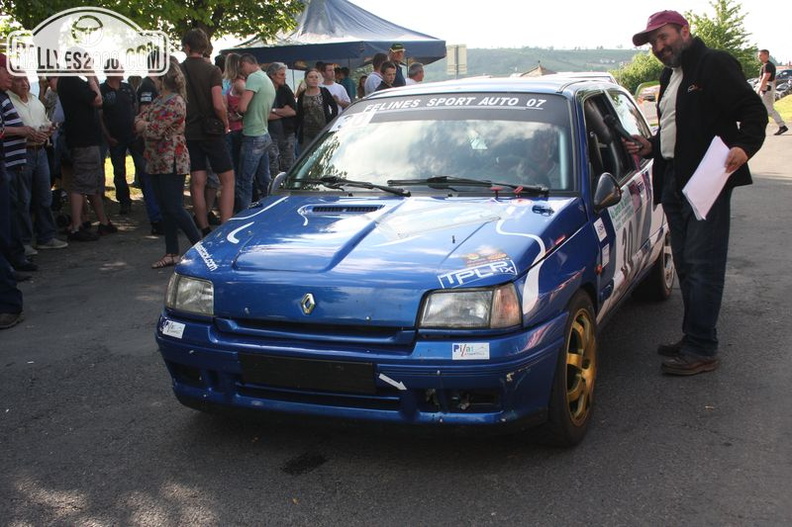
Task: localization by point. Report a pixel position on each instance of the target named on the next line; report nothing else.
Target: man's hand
(736, 158)
(640, 146)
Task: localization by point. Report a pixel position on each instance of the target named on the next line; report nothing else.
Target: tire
(572, 393)
(658, 283)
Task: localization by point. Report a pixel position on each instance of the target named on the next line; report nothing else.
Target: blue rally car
(443, 254)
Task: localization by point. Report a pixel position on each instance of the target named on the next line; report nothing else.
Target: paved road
(90, 433)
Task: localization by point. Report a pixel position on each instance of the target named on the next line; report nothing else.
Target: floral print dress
(166, 149)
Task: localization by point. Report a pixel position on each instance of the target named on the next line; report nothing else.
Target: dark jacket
(329, 105)
(713, 99)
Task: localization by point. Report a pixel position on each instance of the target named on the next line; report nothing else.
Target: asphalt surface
(90, 433)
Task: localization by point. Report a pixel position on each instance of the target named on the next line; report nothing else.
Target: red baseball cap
(3, 61)
(657, 21)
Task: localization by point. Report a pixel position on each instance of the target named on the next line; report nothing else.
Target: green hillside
(506, 61)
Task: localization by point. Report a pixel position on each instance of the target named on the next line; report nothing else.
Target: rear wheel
(658, 283)
(572, 394)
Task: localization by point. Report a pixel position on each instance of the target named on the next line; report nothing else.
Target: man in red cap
(703, 94)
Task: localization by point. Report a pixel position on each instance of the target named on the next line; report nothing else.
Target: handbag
(210, 124)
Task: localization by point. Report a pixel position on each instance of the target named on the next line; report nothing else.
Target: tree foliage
(643, 68)
(175, 17)
(724, 31)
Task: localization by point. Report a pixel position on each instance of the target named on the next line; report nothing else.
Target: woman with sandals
(161, 125)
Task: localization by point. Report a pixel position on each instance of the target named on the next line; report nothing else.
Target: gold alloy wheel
(581, 366)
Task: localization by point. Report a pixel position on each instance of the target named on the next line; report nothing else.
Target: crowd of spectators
(230, 124)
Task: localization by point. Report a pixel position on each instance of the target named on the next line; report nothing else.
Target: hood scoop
(338, 210)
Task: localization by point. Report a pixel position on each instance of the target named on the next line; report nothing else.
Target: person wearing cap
(396, 55)
(703, 94)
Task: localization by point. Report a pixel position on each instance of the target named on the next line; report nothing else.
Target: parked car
(783, 76)
(443, 254)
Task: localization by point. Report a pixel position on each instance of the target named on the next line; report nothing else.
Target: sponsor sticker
(173, 329)
(599, 225)
(470, 351)
(473, 274)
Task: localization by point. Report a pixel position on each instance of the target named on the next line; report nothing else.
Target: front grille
(381, 401)
(390, 339)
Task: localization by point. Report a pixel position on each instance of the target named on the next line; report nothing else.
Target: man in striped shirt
(15, 139)
(10, 296)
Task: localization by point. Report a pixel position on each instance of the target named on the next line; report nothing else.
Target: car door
(623, 229)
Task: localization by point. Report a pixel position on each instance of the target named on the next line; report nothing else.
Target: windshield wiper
(338, 183)
(450, 182)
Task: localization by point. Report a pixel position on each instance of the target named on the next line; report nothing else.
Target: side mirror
(276, 182)
(608, 192)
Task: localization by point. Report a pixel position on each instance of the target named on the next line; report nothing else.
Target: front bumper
(422, 385)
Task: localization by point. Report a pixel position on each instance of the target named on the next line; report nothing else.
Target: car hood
(372, 259)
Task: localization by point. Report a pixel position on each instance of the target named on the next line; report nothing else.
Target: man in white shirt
(34, 187)
(375, 79)
(338, 92)
(415, 73)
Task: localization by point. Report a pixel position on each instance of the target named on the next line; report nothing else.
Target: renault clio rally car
(443, 254)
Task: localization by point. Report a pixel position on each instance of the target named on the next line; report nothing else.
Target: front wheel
(572, 394)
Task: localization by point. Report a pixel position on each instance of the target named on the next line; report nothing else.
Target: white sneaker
(30, 251)
(54, 243)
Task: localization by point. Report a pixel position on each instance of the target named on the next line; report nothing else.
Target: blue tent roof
(340, 32)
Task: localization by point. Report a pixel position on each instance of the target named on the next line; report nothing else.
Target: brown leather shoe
(670, 350)
(689, 365)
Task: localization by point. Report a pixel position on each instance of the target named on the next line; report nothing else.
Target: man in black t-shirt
(282, 121)
(205, 100)
(81, 100)
(766, 89)
(117, 120)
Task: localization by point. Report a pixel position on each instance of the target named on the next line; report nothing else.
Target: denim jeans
(700, 248)
(254, 170)
(169, 192)
(234, 142)
(118, 159)
(10, 295)
(281, 154)
(149, 198)
(32, 190)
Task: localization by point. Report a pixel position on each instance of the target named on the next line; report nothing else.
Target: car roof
(554, 83)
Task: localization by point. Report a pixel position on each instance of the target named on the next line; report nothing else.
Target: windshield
(509, 139)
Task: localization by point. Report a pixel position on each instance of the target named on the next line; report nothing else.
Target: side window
(629, 115)
(606, 153)
(632, 120)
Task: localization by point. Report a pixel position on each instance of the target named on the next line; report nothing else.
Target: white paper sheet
(708, 180)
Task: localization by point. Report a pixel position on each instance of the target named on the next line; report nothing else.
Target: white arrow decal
(232, 235)
(398, 385)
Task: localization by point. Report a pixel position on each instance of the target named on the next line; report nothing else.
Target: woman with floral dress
(167, 160)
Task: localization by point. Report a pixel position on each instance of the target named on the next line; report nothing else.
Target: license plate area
(308, 374)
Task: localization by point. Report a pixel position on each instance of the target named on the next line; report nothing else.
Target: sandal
(168, 260)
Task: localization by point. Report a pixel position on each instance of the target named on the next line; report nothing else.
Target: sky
(567, 24)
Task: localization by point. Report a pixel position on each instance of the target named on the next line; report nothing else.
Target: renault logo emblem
(308, 303)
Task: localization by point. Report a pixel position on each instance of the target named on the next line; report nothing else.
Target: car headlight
(491, 308)
(190, 295)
